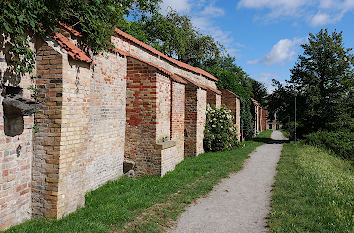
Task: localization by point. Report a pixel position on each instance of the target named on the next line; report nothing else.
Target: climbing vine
(24, 20)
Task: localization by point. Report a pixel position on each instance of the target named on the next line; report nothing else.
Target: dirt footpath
(239, 203)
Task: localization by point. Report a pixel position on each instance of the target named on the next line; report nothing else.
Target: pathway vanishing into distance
(240, 203)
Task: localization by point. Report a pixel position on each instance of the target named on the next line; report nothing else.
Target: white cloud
(284, 50)
(178, 5)
(277, 7)
(213, 11)
(203, 14)
(320, 19)
(203, 20)
(328, 11)
(266, 79)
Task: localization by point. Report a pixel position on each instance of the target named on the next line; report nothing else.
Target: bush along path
(240, 203)
(148, 204)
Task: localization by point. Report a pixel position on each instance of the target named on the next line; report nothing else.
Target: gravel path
(241, 202)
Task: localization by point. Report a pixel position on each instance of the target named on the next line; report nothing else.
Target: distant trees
(235, 79)
(323, 81)
(174, 35)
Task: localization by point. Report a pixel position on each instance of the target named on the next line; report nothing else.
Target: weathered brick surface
(15, 159)
(218, 101)
(190, 122)
(46, 145)
(232, 102)
(142, 53)
(92, 117)
(177, 121)
(106, 133)
(201, 118)
(195, 109)
(213, 99)
(74, 136)
(163, 107)
(149, 119)
(168, 159)
(141, 117)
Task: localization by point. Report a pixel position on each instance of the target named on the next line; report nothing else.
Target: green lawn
(314, 192)
(149, 204)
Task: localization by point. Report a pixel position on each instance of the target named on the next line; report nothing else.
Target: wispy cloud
(315, 12)
(212, 11)
(284, 50)
(266, 78)
(204, 14)
(177, 5)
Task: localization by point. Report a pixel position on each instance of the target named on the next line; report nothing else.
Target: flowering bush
(220, 131)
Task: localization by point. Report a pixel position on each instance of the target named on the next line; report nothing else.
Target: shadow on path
(269, 140)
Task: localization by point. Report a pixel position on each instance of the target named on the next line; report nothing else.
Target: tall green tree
(322, 80)
(259, 91)
(173, 34)
(323, 75)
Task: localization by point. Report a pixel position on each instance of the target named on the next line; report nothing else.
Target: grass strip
(148, 203)
(313, 192)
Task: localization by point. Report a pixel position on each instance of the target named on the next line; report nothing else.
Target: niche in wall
(15, 107)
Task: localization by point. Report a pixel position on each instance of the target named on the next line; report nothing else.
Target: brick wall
(15, 159)
(232, 102)
(125, 45)
(163, 107)
(218, 100)
(213, 99)
(149, 120)
(79, 145)
(201, 118)
(195, 110)
(190, 121)
(46, 145)
(178, 111)
(238, 118)
(74, 135)
(93, 117)
(141, 117)
(106, 134)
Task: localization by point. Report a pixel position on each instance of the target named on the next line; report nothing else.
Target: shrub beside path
(240, 203)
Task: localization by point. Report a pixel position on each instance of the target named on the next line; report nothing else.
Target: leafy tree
(174, 35)
(323, 76)
(259, 91)
(95, 19)
(322, 80)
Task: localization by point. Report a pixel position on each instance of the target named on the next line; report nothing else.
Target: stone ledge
(165, 145)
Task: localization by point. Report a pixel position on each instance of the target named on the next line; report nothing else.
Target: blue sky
(265, 35)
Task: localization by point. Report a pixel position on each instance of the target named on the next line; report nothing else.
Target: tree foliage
(322, 80)
(236, 80)
(95, 19)
(173, 34)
